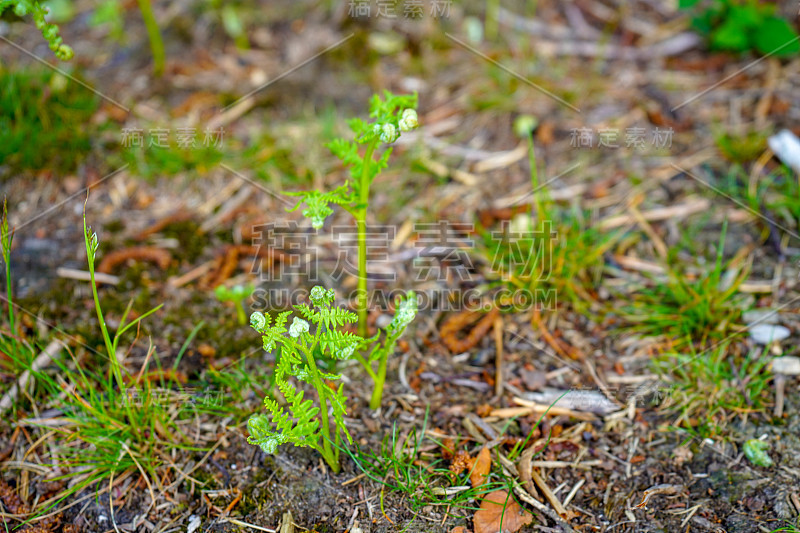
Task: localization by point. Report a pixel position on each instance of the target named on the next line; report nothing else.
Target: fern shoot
(391, 116)
(300, 422)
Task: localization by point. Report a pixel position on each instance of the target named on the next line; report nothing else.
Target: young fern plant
(301, 422)
(390, 116)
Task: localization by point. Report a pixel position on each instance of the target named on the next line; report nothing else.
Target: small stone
(768, 333)
(194, 524)
(761, 316)
(533, 379)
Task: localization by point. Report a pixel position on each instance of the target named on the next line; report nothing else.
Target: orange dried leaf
(481, 468)
(500, 513)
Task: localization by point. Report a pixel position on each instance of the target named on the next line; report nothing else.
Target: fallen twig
(83, 275)
(457, 322)
(158, 256)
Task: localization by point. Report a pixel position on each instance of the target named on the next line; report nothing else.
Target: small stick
(780, 387)
(233, 503)
(664, 488)
(180, 215)
(548, 494)
(287, 523)
(525, 470)
(655, 215)
(83, 275)
(573, 492)
(192, 275)
(354, 479)
(658, 242)
(245, 524)
(229, 207)
(498, 339)
(159, 256)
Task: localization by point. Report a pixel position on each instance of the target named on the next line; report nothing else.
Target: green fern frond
(280, 321)
(338, 316)
(318, 203)
(340, 344)
(309, 314)
(338, 402)
(301, 422)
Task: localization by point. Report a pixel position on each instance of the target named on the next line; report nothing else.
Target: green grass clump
(16, 353)
(789, 527)
(423, 479)
(709, 388)
(551, 255)
(151, 160)
(742, 148)
(43, 118)
(108, 421)
(690, 311)
(564, 267)
(775, 195)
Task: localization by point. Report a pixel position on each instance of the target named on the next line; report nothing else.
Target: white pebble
(768, 333)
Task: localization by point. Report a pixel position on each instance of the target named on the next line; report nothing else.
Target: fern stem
(331, 458)
(361, 225)
(368, 367)
(380, 379)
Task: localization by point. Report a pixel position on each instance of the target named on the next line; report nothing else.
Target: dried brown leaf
(481, 467)
(500, 513)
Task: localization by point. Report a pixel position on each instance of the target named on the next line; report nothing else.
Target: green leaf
(730, 36)
(746, 16)
(776, 37)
